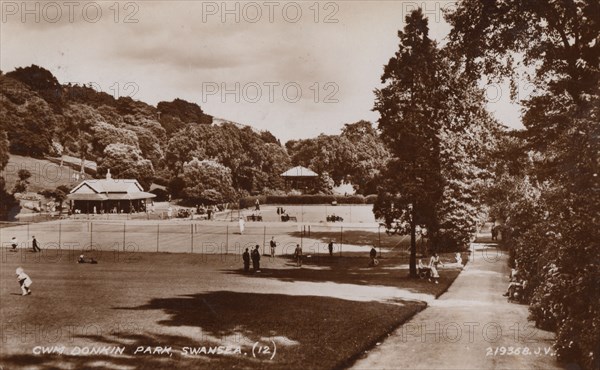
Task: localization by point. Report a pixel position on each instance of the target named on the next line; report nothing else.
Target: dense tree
(9, 206)
(208, 182)
(553, 229)
(368, 156)
(126, 162)
(409, 106)
(254, 164)
(177, 114)
(23, 181)
(356, 156)
(27, 118)
(41, 81)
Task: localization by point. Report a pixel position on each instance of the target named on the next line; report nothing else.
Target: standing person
(246, 258)
(256, 259)
(494, 233)
(257, 205)
(372, 254)
(209, 211)
(434, 262)
(273, 245)
(330, 246)
(242, 224)
(298, 255)
(14, 243)
(170, 213)
(24, 281)
(35, 245)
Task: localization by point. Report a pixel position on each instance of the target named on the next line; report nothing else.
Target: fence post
(124, 225)
(264, 240)
(227, 237)
(192, 239)
(157, 236)
(341, 238)
(27, 232)
(91, 234)
(59, 233)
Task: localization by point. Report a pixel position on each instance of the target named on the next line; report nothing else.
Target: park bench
(254, 218)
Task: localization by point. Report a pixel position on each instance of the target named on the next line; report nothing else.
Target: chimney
(108, 175)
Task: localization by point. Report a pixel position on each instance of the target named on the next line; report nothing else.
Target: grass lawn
(44, 174)
(323, 315)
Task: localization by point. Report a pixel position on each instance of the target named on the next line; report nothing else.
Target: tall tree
(409, 106)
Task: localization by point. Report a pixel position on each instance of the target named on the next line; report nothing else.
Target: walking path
(472, 326)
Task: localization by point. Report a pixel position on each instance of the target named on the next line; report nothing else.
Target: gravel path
(472, 326)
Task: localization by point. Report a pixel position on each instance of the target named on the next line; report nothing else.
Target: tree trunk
(413, 248)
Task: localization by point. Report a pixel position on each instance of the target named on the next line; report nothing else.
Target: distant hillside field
(44, 174)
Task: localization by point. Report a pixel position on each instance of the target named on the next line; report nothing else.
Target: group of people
(14, 243)
(282, 213)
(254, 255)
(431, 270)
(334, 218)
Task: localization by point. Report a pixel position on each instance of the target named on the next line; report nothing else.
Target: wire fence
(184, 236)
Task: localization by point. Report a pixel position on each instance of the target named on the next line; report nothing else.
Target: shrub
(161, 194)
(371, 198)
(248, 202)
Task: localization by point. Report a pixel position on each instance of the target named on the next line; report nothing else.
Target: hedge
(248, 202)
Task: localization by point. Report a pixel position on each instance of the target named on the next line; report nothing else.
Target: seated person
(82, 259)
(422, 270)
(515, 281)
(458, 258)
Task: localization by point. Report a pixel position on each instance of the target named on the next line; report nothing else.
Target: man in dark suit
(35, 245)
(246, 258)
(256, 259)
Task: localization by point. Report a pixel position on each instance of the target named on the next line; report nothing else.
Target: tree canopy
(546, 192)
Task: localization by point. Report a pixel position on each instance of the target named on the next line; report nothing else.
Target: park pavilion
(300, 178)
(109, 196)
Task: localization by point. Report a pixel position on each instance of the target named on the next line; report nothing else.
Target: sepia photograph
(311, 184)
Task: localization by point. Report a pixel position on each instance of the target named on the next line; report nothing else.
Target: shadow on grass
(356, 237)
(309, 331)
(392, 272)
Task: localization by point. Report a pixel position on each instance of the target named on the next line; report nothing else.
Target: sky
(297, 69)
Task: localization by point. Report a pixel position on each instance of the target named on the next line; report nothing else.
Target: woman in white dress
(434, 262)
(242, 225)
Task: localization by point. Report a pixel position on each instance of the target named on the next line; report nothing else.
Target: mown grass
(177, 300)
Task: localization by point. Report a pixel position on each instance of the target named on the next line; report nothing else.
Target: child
(24, 281)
